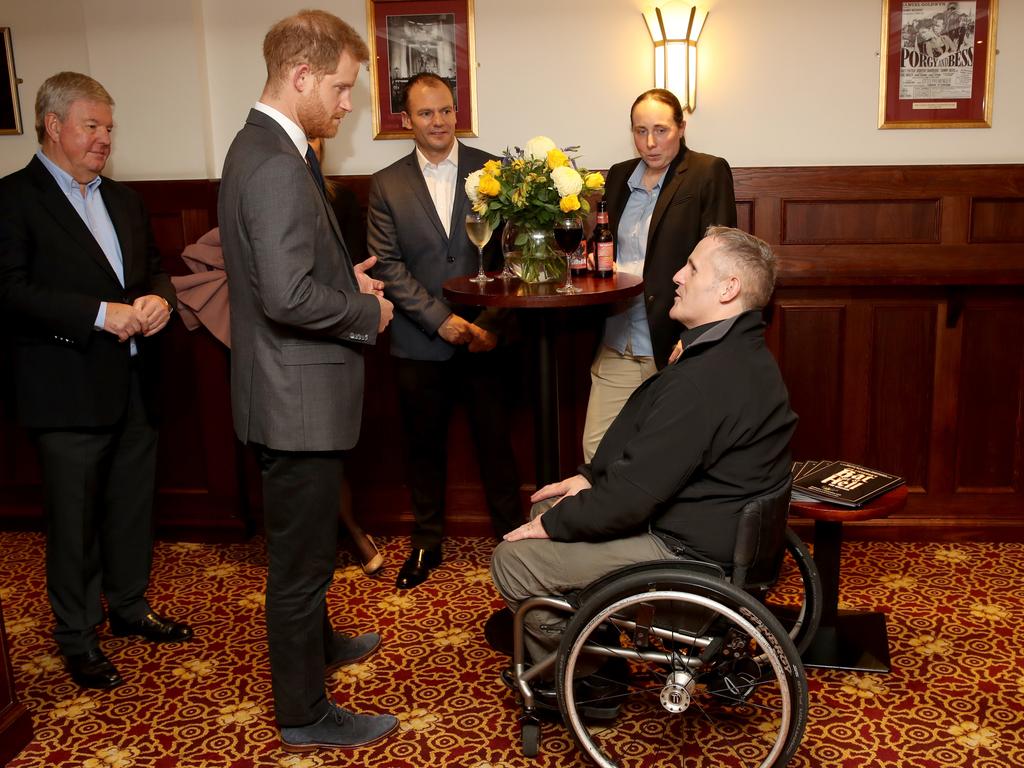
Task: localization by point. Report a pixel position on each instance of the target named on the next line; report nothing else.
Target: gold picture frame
(937, 63)
(10, 105)
(411, 36)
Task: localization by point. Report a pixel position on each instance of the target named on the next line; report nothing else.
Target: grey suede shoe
(337, 729)
(349, 650)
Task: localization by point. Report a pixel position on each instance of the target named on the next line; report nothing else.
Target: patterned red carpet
(954, 698)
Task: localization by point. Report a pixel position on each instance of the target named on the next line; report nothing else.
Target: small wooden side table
(851, 640)
(515, 294)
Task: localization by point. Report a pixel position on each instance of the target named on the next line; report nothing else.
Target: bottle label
(605, 256)
(602, 217)
(578, 259)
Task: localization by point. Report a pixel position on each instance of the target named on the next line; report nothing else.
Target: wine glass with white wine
(479, 231)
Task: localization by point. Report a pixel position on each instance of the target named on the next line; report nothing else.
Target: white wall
(787, 82)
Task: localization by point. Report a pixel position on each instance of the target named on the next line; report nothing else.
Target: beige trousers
(613, 378)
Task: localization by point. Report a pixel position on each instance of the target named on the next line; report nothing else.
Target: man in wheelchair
(692, 445)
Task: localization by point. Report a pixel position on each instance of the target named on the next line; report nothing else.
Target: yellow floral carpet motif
(955, 696)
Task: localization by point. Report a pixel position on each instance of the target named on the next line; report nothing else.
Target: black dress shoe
(337, 729)
(416, 569)
(92, 669)
(153, 627)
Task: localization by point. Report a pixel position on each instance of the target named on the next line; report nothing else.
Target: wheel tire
(678, 598)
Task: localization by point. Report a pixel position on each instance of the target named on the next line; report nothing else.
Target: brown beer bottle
(604, 244)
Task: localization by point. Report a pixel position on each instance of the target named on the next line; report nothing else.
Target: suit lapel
(675, 176)
(265, 121)
(123, 230)
(617, 199)
(56, 204)
(422, 194)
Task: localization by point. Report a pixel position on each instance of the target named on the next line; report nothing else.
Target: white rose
(567, 181)
(538, 147)
(473, 185)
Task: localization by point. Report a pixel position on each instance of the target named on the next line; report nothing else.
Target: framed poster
(938, 63)
(10, 107)
(412, 36)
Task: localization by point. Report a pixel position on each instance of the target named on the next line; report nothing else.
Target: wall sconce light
(675, 27)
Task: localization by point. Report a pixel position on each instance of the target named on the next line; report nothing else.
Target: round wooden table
(854, 640)
(515, 294)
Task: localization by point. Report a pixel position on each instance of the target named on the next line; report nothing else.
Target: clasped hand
(146, 315)
(457, 330)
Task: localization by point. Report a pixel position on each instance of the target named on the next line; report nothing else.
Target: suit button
(650, 299)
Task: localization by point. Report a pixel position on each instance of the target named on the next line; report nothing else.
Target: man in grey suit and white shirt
(443, 355)
(300, 314)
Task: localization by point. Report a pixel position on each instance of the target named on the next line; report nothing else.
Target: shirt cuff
(101, 316)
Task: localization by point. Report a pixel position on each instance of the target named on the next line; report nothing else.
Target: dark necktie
(314, 166)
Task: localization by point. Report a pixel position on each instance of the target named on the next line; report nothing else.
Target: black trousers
(98, 486)
(428, 390)
(300, 504)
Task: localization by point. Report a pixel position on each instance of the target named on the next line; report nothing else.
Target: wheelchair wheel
(670, 667)
(798, 611)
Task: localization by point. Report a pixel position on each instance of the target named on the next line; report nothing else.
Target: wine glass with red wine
(568, 235)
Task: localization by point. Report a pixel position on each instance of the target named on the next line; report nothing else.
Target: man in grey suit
(300, 313)
(416, 229)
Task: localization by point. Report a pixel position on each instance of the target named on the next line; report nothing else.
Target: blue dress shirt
(627, 331)
(93, 211)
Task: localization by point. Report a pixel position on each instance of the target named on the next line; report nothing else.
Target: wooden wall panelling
(920, 299)
(991, 406)
(809, 345)
(833, 222)
(901, 386)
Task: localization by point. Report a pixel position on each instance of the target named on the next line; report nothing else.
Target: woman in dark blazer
(659, 206)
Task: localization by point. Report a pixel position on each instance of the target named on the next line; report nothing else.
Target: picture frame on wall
(407, 37)
(938, 63)
(10, 106)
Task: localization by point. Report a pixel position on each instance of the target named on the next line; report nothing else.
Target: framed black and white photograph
(408, 37)
(10, 107)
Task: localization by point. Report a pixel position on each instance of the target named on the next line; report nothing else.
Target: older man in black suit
(84, 296)
(416, 229)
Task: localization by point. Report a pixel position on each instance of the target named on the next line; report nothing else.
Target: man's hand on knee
(531, 530)
(568, 487)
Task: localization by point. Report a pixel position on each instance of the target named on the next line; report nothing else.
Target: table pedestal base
(858, 642)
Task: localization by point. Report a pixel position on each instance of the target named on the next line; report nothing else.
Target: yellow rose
(594, 181)
(480, 207)
(493, 168)
(518, 163)
(489, 186)
(569, 203)
(556, 159)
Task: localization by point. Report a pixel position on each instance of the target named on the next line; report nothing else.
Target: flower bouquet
(528, 189)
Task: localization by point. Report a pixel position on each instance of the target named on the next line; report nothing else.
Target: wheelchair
(677, 662)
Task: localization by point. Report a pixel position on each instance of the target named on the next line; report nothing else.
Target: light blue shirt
(627, 331)
(92, 210)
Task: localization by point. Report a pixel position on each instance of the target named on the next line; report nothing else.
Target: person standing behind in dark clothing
(691, 446)
(353, 231)
(416, 229)
(659, 206)
(84, 298)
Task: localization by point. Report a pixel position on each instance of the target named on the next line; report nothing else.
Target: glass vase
(531, 252)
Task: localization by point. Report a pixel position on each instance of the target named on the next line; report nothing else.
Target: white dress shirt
(441, 179)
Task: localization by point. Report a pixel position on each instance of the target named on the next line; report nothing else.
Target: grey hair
(60, 91)
(752, 257)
